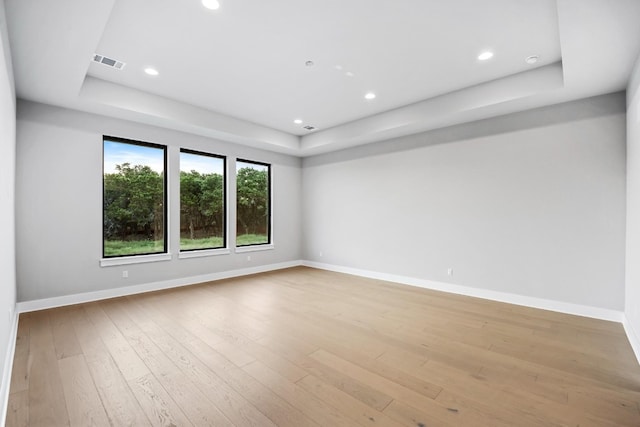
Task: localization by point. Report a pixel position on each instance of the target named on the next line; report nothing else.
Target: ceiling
(245, 71)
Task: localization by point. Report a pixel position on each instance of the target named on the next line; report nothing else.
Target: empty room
(320, 213)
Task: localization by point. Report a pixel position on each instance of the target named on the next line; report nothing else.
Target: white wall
(632, 299)
(59, 204)
(7, 187)
(531, 204)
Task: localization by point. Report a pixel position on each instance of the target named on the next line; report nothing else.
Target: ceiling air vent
(309, 127)
(109, 62)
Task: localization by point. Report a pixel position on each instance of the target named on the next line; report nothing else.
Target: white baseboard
(633, 336)
(8, 367)
(45, 303)
(545, 304)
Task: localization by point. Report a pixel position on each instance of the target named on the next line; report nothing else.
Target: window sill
(254, 248)
(203, 253)
(135, 259)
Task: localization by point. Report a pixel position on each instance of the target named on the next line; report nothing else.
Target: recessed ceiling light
(309, 63)
(211, 4)
(532, 59)
(485, 55)
(151, 71)
(297, 121)
(370, 95)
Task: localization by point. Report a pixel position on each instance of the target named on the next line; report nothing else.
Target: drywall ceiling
(244, 72)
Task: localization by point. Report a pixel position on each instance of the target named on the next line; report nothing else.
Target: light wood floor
(304, 347)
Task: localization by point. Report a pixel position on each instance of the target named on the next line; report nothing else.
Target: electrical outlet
(125, 274)
(450, 271)
(248, 257)
(320, 254)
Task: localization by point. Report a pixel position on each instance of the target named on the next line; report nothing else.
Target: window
(202, 201)
(253, 203)
(134, 198)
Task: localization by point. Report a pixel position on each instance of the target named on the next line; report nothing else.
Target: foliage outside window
(202, 201)
(134, 198)
(253, 203)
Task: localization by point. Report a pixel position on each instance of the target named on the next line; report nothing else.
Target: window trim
(220, 250)
(201, 253)
(269, 243)
(134, 259)
(254, 248)
(151, 256)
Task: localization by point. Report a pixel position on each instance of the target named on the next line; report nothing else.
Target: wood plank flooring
(305, 347)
